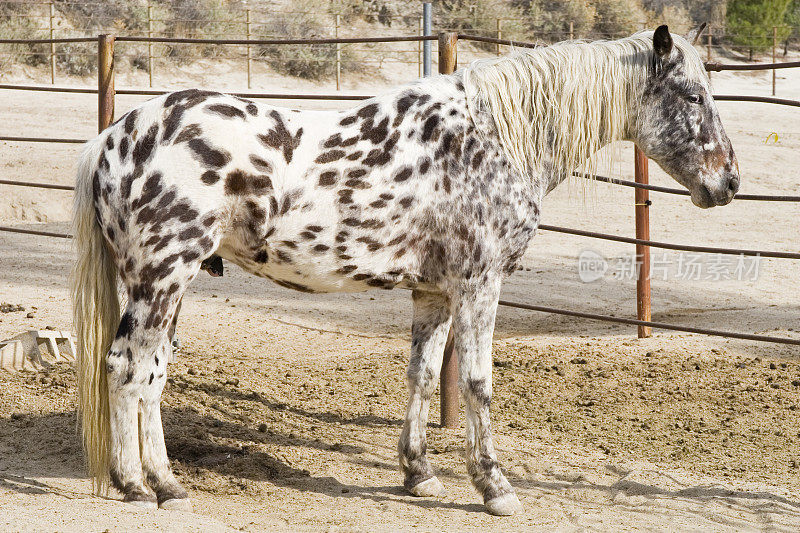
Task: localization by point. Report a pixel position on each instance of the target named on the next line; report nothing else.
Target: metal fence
(51, 19)
(447, 51)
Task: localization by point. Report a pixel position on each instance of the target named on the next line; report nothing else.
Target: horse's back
(315, 200)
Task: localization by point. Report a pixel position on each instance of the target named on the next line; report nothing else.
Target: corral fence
(447, 52)
(247, 22)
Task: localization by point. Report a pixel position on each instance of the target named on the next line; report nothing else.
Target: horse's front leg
(429, 330)
(474, 311)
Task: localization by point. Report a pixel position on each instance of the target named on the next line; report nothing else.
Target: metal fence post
(427, 29)
(448, 381)
(338, 53)
(105, 81)
(249, 54)
(499, 36)
(774, 46)
(419, 48)
(52, 45)
(642, 207)
(150, 44)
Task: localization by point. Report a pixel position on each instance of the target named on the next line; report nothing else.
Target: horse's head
(678, 125)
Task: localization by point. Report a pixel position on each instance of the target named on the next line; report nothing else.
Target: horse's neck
(591, 109)
(550, 176)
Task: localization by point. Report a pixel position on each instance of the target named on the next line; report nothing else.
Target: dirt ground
(283, 409)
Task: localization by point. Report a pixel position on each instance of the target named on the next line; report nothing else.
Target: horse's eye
(695, 98)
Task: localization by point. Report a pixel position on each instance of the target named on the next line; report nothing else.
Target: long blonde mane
(564, 102)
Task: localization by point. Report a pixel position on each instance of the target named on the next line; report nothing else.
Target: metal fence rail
(684, 192)
(669, 245)
(651, 324)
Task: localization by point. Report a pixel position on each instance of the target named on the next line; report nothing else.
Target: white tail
(95, 317)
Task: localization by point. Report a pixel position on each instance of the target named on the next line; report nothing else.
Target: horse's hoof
(430, 488)
(144, 504)
(504, 505)
(177, 504)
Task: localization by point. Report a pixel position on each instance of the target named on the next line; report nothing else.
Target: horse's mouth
(704, 199)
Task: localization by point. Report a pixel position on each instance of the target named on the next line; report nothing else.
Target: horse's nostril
(733, 184)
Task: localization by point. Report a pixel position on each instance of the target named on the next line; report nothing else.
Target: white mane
(573, 97)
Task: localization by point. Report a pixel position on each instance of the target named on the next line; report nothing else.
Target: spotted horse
(434, 186)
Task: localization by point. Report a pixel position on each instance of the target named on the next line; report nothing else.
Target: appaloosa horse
(434, 186)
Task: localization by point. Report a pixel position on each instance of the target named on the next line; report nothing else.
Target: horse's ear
(662, 41)
(693, 35)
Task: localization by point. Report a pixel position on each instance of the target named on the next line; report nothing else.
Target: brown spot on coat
(280, 138)
(210, 177)
(330, 156)
(225, 110)
(208, 156)
(403, 174)
(144, 148)
(188, 133)
(261, 164)
(327, 178)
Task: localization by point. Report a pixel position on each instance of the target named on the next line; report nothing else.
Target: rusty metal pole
(105, 81)
(642, 206)
(448, 381)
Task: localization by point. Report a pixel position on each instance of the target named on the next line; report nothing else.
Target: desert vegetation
(742, 26)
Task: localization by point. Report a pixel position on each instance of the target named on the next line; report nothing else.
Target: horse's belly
(306, 274)
(308, 277)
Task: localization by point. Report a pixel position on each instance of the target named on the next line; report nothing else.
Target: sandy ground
(283, 409)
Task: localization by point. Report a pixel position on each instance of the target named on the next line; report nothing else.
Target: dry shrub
(549, 20)
(121, 15)
(676, 17)
(479, 17)
(92, 18)
(303, 61)
(202, 19)
(14, 26)
(618, 18)
(379, 11)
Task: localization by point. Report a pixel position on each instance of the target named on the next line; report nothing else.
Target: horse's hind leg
(429, 330)
(136, 366)
(474, 312)
(155, 463)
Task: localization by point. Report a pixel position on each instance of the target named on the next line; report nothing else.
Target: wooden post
(448, 381)
(708, 48)
(642, 207)
(774, 46)
(338, 53)
(52, 44)
(571, 31)
(150, 45)
(249, 55)
(499, 36)
(105, 81)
